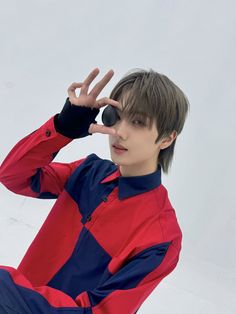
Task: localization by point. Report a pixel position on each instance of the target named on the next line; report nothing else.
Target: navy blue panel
(131, 273)
(86, 189)
(35, 181)
(17, 299)
(47, 195)
(36, 187)
(10, 296)
(84, 184)
(85, 267)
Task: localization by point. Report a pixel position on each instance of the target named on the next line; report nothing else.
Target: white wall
(47, 45)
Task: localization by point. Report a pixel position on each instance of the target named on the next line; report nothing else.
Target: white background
(47, 45)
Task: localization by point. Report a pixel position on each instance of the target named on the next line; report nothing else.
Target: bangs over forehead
(134, 100)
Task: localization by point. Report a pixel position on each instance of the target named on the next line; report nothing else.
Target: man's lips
(119, 147)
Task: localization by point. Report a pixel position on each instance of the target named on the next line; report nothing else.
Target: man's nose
(121, 128)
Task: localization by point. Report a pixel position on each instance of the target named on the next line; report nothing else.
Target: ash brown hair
(158, 100)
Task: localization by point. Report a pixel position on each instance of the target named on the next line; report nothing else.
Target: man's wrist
(74, 121)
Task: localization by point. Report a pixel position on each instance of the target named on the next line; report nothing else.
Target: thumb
(91, 128)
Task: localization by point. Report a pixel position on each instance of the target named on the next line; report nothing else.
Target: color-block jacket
(108, 240)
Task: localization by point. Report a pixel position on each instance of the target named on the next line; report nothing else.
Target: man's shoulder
(95, 157)
(169, 220)
(93, 160)
(160, 196)
(93, 168)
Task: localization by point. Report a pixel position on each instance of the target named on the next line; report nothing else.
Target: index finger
(101, 84)
(100, 128)
(89, 80)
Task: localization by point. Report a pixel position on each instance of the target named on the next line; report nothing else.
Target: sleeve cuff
(74, 121)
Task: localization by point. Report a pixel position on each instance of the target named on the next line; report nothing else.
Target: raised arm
(28, 168)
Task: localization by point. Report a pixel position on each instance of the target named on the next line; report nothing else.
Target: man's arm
(28, 168)
(131, 278)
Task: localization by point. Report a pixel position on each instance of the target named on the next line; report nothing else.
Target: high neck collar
(130, 186)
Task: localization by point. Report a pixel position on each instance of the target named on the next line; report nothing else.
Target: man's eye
(138, 122)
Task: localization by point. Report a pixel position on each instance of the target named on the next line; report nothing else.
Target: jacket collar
(130, 186)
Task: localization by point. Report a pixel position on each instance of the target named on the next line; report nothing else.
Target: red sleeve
(28, 168)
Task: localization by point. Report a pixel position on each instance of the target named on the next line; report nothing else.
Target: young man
(112, 234)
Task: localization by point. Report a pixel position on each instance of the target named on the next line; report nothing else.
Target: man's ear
(167, 141)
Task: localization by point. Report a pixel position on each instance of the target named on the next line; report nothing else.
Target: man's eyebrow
(137, 115)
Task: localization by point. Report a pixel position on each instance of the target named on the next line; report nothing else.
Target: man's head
(152, 114)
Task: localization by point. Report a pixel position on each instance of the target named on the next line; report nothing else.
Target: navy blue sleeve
(74, 121)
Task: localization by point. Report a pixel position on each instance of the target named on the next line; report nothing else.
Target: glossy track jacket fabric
(108, 240)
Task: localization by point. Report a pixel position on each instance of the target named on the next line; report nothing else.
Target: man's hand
(86, 99)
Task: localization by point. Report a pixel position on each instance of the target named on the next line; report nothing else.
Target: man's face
(140, 158)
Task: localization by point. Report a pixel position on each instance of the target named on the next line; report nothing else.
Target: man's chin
(116, 159)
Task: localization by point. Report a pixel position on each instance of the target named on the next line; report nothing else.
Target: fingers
(101, 84)
(71, 90)
(88, 81)
(90, 99)
(98, 128)
(106, 101)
